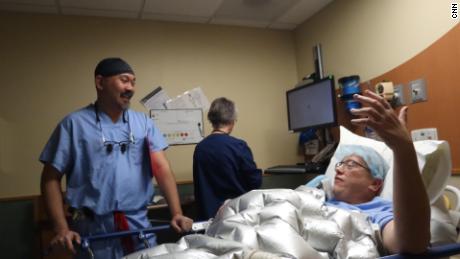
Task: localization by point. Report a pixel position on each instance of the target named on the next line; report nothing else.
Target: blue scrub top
(379, 211)
(99, 180)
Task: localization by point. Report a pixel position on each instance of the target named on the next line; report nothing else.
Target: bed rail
(433, 252)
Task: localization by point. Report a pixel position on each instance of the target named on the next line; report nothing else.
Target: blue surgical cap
(377, 165)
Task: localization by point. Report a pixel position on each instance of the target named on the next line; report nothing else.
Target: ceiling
(273, 14)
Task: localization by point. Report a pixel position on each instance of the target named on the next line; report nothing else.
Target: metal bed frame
(432, 252)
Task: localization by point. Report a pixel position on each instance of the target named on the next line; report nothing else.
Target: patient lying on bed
(409, 230)
(302, 224)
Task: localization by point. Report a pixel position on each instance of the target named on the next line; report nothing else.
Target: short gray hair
(222, 112)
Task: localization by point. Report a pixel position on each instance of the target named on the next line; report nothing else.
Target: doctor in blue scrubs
(109, 155)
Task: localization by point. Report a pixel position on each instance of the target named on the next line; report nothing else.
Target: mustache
(127, 94)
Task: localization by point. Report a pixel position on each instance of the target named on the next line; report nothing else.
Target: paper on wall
(191, 99)
(180, 102)
(197, 96)
(155, 99)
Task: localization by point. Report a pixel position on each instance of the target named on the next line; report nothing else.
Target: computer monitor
(312, 105)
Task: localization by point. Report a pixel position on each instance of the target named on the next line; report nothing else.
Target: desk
(286, 169)
(309, 168)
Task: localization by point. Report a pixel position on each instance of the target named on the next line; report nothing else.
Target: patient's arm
(409, 231)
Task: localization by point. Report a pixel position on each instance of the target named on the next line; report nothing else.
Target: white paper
(198, 98)
(155, 99)
(182, 101)
(192, 99)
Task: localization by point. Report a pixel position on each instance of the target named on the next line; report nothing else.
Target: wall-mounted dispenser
(386, 90)
(349, 85)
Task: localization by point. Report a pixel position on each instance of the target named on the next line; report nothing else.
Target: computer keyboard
(296, 169)
(315, 167)
(286, 169)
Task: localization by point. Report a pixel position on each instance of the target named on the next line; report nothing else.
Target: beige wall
(47, 65)
(370, 37)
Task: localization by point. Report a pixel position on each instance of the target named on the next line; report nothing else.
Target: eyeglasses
(123, 145)
(110, 144)
(350, 164)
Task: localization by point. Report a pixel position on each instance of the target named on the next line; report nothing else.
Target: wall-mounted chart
(179, 126)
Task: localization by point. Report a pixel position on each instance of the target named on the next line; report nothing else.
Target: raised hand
(378, 114)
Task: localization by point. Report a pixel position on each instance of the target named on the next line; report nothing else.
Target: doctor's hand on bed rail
(65, 239)
(378, 114)
(181, 223)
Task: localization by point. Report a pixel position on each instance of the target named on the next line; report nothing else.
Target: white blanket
(277, 223)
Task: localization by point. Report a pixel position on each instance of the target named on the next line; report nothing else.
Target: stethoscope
(109, 144)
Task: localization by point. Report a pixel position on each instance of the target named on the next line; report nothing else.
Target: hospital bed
(439, 251)
(434, 161)
(436, 251)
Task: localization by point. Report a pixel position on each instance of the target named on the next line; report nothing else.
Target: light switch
(418, 90)
(398, 97)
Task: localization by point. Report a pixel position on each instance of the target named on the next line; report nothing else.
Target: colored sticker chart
(179, 126)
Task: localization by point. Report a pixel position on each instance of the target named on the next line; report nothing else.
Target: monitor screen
(312, 105)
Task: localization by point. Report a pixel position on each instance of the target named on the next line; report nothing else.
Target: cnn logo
(454, 11)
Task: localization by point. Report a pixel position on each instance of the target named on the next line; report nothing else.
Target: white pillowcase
(433, 158)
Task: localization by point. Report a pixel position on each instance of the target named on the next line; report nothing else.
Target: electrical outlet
(424, 134)
(418, 90)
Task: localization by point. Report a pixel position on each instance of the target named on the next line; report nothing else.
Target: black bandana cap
(112, 66)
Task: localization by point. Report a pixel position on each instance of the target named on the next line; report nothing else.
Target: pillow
(443, 229)
(433, 158)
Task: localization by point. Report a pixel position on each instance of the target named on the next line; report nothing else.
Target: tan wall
(47, 65)
(370, 38)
